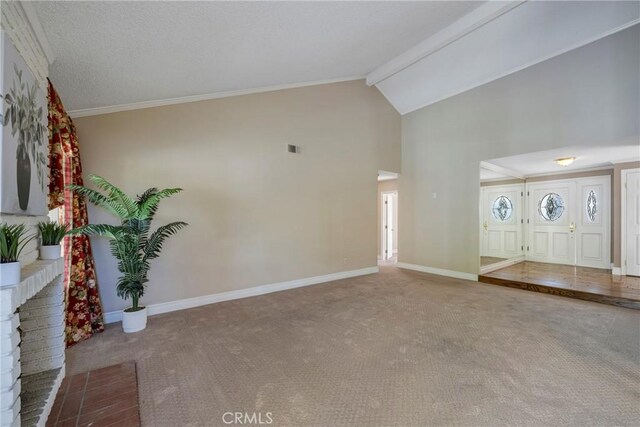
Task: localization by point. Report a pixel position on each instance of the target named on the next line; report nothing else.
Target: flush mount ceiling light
(565, 161)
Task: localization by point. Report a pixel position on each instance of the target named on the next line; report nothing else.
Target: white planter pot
(134, 321)
(50, 252)
(9, 273)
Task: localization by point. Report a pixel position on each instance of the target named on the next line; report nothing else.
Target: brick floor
(100, 398)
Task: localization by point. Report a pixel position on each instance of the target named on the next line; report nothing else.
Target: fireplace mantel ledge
(35, 277)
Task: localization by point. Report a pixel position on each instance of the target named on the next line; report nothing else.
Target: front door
(569, 221)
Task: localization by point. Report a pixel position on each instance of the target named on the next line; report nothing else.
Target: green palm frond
(148, 207)
(116, 195)
(104, 230)
(100, 200)
(131, 244)
(154, 245)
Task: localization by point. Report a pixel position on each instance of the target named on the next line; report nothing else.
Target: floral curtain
(83, 308)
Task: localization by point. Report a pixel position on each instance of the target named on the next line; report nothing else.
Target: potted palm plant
(52, 234)
(13, 239)
(132, 242)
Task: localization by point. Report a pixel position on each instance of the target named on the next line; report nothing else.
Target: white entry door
(551, 222)
(569, 221)
(632, 224)
(502, 220)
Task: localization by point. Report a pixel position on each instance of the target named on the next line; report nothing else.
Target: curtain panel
(82, 301)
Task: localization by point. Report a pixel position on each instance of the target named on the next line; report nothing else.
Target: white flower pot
(134, 321)
(50, 252)
(9, 273)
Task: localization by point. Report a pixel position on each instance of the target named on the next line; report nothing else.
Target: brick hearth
(32, 344)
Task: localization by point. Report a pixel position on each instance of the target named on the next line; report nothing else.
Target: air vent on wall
(293, 149)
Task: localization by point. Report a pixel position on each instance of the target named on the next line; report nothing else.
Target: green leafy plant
(52, 233)
(13, 239)
(132, 242)
(26, 120)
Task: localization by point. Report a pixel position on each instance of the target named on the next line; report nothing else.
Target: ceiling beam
(463, 26)
(521, 37)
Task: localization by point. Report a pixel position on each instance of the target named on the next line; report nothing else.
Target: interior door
(388, 208)
(632, 221)
(551, 222)
(502, 220)
(593, 225)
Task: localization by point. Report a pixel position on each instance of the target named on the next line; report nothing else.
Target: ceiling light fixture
(565, 161)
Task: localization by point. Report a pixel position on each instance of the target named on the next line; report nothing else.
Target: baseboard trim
(616, 271)
(166, 307)
(502, 264)
(438, 271)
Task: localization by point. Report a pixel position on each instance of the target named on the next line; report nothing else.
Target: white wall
(257, 214)
(589, 96)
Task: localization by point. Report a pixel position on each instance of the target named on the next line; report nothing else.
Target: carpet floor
(394, 348)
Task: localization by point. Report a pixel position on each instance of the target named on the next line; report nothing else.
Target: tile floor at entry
(102, 397)
(591, 284)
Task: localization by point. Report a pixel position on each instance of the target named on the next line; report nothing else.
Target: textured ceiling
(111, 53)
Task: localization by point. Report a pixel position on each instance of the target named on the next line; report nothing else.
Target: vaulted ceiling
(112, 53)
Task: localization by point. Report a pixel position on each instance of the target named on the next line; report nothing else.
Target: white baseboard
(501, 264)
(165, 307)
(438, 271)
(616, 271)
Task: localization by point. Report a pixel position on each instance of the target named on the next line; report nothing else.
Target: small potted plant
(52, 234)
(13, 239)
(132, 242)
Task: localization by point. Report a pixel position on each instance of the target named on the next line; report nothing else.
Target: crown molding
(36, 26)
(195, 98)
(458, 29)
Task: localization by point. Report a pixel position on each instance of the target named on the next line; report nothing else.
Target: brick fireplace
(32, 344)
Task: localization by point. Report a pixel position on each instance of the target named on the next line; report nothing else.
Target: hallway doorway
(387, 216)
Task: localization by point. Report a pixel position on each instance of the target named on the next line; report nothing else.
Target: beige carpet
(394, 348)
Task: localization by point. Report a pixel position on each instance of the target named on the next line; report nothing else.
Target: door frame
(382, 218)
(623, 220)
